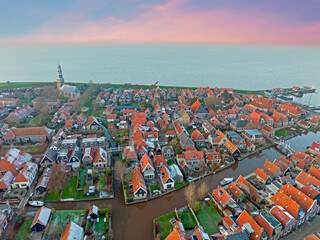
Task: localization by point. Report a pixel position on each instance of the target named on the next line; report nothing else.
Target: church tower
(60, 79)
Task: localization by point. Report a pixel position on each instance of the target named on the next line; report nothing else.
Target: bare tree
(202, 191)
(211, 101)
(57, 177)
(190, 195)
(120, 171)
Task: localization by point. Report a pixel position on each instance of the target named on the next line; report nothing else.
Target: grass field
(208, 218)
(100, 226)
(54, 196)
(58, 219)
(187, 219)
(25, 230)
(102, 181)
(154, 187)
(33, 148)
(282, 132)
(69, 190)
(83, 177)
(81, 196)
(165, 225)
(26, 84)
(178, 185)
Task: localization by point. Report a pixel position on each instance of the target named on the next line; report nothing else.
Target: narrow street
(306, 229)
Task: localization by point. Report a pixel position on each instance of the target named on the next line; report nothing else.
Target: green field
(33, 149)
(282, 132)
(154, 187)
(208, 218)
(165, 225)
(69, 190)
(54, 196)
(187, 219)
(25, 230)
(26, 84)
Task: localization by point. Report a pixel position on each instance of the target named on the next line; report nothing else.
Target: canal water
(135, 221)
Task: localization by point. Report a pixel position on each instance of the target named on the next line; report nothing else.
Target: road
(306, 229)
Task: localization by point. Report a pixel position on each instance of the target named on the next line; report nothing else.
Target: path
(306, 229)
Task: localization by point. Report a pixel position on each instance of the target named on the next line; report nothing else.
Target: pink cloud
(173, 23)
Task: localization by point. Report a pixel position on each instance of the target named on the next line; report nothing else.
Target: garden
(208, 217)
(163, 225)
(187, 219)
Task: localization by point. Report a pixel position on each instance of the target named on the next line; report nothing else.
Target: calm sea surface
(237, 66)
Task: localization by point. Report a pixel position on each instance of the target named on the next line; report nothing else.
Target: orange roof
(254, 117)
(312, 237)
(195, 134)
(306, 179)
(298, 162)
(171, 133)
(145, 161)
(37, 218)
(299, 197)
(137, 180)
(137, 136)
(221, 196)
(247, 187)
(234, 190)
(281, 215)
(194, 107)
(310, 191)
(176, 234)
(246, 218)
(229, 145)
(262, 102)
(315, 172)
(27, 131)
(228, 220)
(270, 168)
(164, 174)
(262, 174)
(287, 203)
(193, 155)
(283, 167)
(100, 155)
(159, 159)
(6, 166)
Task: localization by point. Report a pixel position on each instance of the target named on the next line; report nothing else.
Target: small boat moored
(226, 181)
(36, 203)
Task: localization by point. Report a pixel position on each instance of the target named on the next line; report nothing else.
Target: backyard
(208, 217)
(58, 221)
(24, 230)
(69, 190)
(163, 225)
(54, 196)
(187, 219)
(282, 132)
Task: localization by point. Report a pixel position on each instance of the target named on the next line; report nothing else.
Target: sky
(283, 22)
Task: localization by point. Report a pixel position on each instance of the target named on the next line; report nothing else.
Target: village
(65, 142)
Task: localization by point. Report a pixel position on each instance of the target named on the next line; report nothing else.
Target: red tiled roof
(221, 196)
(193, 155)
(145, 161)
(195, 134)
(137, 180)
(270, 168)
(310, 191)
(306, 179)
(287, 203)
(262, 102)
(315, 172)
(246, 218)
(194, 107)
(262, 174)
(234, 190)
(281, 215)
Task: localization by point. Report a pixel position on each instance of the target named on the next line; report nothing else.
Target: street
(306, 229)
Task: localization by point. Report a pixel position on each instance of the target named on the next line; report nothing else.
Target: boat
(36, 203)
(297, 94)
(226, 181)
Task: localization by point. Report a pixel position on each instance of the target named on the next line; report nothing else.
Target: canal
(135, 221)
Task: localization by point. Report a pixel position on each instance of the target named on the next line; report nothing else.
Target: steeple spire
(60, 79)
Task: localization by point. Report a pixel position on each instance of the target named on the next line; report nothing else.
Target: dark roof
(240, 123)
(238, 236)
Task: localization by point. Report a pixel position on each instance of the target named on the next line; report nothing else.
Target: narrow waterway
(134, 222)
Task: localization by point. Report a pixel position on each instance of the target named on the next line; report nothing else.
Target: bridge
(283, 144)
(115, 150)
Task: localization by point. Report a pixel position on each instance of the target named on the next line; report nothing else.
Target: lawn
(164, 223)
(83, 177)
(154, 187)
(35, 148)
(282, 132)
(100, 226)
(187, 219)
(102, 182)
(25, 230)
(170, 162)
(54, 196)
(58, 219)
(80, 195)
(69, 190)
(25, 84)
(178, 185)
(208, 218)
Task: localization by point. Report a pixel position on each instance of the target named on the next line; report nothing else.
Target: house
(222, 197)
(159, 162)
(236, 192)
(93, 212)
(26, 176)
(101, 160)
(72, 232)
(171, 134)
(262, 176)
(305, 179)
(41, 219)
(167, 181)
(147, 167)
(262, 104)
(185, 141)
(75, 158)
(208, 127)
(249, 225)
(239, 125)
(249, 189)
(285, 169)
(199, 233)
(232, 149)
(315, 148)
(287, 221)
(87, 156)
(138, 184)
(197, 138)
(166, 150)
(93, 123)
(28, 134)
(10, 102)
(236, 139)
(290, 110)
(254, 135)
(198, 109)
(3, 222)
(308, 205)
(177, 233)
(194, 159)
(268, 131)
(270, 224)
(176, 173)
(6, 180)
(311, 192)
(271, 169)
(184, 117)
(151, 136)
(130, 153)
(212, 157)
(20, 114)
(42, 184)
(315, 172)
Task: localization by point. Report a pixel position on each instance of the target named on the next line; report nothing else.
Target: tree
(253, 125)
(211, 101)
(57, 177)
(190, 195)
(226, 96)
(191, 101)
(176, 146)
(202, 191)
(120, 171)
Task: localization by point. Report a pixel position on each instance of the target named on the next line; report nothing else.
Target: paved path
(306, 229)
